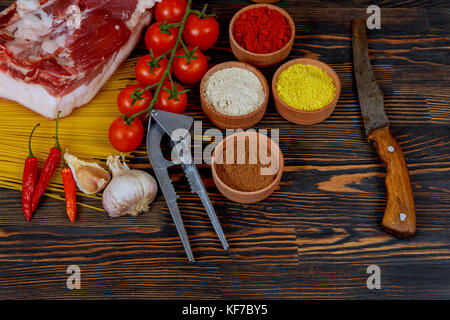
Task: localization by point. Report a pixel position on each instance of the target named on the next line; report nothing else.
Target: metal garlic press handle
(197, 187)
(195, 181)
(160, 165)
(177, 127)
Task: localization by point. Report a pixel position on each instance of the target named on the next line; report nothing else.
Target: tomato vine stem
(130, 119)
(202, 14)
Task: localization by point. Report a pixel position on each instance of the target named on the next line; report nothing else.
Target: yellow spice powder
(305, 87)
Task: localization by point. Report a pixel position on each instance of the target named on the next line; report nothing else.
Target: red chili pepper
(49, 168)
(29, 179)
(70, 190)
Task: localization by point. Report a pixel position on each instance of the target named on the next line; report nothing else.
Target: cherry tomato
(166, 103)
(143, 70)
(124, 101)
(193, 71)
(170, 10)
(124, 137)
(201, 32)
(159, 41)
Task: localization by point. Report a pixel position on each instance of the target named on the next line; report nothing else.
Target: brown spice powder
(245, 177)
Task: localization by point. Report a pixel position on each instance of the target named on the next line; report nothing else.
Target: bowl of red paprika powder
(261, 35)
(247, 166)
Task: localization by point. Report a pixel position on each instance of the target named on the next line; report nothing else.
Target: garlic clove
(92, 179)
(89, 176)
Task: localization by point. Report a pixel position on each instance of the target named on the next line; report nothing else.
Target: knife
(399, 216)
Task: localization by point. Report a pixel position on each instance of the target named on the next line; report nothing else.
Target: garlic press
(177, 127)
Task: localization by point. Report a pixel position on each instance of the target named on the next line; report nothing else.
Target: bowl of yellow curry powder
(305, 91)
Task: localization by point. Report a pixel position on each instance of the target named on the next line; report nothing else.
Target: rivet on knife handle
(400, 216)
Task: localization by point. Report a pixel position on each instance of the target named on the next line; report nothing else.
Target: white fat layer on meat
(50, 46)
(65, 59)
(35, 25)
(141, 7)
(48, 3)
(18, 68)
(27, 6)
(36, 98)
(32, 26)
(73, 17)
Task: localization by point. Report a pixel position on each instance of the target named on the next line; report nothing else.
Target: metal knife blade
(370, 95)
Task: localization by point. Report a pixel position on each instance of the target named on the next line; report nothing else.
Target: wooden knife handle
(400, 215)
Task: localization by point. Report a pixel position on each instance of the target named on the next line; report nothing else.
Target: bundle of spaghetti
(84, 133)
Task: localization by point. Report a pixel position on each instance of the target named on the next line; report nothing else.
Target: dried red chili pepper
(29, 179)
(261, 30)
(70, 191)
(49, 168)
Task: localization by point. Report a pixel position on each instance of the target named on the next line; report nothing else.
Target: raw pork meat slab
(55, 55)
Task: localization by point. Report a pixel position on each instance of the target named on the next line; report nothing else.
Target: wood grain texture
(315, 236)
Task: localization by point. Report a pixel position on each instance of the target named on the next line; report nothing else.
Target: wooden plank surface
(317, 234)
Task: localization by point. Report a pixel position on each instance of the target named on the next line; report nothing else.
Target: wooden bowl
(300, 116)
(224, 121)
(256, 59)
(242, 196)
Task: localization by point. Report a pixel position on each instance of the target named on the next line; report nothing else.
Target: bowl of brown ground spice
(247, 167)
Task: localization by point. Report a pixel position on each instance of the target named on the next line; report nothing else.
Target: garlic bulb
(130, 191)
(89, 176)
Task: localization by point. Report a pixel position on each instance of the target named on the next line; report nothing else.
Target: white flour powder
(234, 91)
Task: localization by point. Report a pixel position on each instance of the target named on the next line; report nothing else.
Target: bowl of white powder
(234, 95)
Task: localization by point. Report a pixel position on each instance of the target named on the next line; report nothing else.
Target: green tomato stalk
(138, 92)
(202, 14)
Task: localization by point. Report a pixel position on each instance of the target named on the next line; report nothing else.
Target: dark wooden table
(318, 233)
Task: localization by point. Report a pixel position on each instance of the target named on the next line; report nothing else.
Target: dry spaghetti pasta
(84, 133)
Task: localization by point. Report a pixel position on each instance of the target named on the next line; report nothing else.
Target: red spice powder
(261, 30)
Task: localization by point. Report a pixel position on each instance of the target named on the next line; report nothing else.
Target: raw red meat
(57, 54)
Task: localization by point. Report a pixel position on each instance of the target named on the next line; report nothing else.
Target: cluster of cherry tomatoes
(188, 66)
